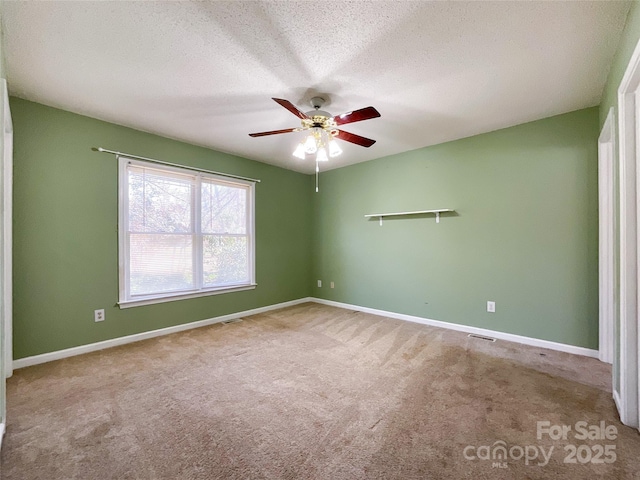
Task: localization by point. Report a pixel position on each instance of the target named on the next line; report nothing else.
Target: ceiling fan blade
(356, 116)
(272, 132)
(291, 107)
(353, 138)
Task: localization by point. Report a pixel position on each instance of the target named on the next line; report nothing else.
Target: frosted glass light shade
(322, 155)
(334, 149)
(310, 145)
(299, 151)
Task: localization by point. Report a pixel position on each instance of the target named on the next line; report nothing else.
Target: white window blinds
(184, 232)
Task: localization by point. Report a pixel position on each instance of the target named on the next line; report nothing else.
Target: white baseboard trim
(114, 342)
(1, 434)
(93, 347)
(618, 401)
(510, 337)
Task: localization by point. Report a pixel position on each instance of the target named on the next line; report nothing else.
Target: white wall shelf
(418, 212)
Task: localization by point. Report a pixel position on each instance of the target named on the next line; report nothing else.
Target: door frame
(629, 125)
(606, 264)
(7, 232)
(6, 182)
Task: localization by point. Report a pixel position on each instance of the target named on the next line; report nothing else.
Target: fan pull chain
(317, 170)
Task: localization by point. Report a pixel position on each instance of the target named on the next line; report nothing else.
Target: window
(182, 233)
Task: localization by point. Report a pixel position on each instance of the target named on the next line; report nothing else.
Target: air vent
(233, 320)
(488, 339)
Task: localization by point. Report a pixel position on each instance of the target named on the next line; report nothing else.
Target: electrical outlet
(319, 283)
(98, 315)
(491, 307)
(332, 285)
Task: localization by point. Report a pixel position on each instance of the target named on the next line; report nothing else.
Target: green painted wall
(628, 42)
(525, 234)
(65, 231)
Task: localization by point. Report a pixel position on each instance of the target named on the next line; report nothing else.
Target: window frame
(125, 299)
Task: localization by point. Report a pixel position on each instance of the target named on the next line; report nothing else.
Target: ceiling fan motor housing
(317, 102)
(319, 118)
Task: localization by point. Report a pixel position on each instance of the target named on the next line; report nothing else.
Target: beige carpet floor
(316, 393)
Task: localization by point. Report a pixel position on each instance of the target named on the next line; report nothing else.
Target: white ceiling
(205, 72)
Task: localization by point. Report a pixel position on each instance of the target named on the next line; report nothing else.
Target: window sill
(184, 296)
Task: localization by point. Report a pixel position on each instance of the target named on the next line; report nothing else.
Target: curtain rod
(104, 150)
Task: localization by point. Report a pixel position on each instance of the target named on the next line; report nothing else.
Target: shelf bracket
(437, 217)
(380, 221)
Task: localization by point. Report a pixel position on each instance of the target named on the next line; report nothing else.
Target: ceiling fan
(323, 129)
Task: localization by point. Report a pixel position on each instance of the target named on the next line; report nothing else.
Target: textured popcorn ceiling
(205, 72)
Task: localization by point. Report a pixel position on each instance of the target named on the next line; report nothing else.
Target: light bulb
(299, 151)
(334, 148)
(322, 155)
(310, 145)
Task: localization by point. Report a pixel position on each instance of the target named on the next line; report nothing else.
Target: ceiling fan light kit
(323, 130)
